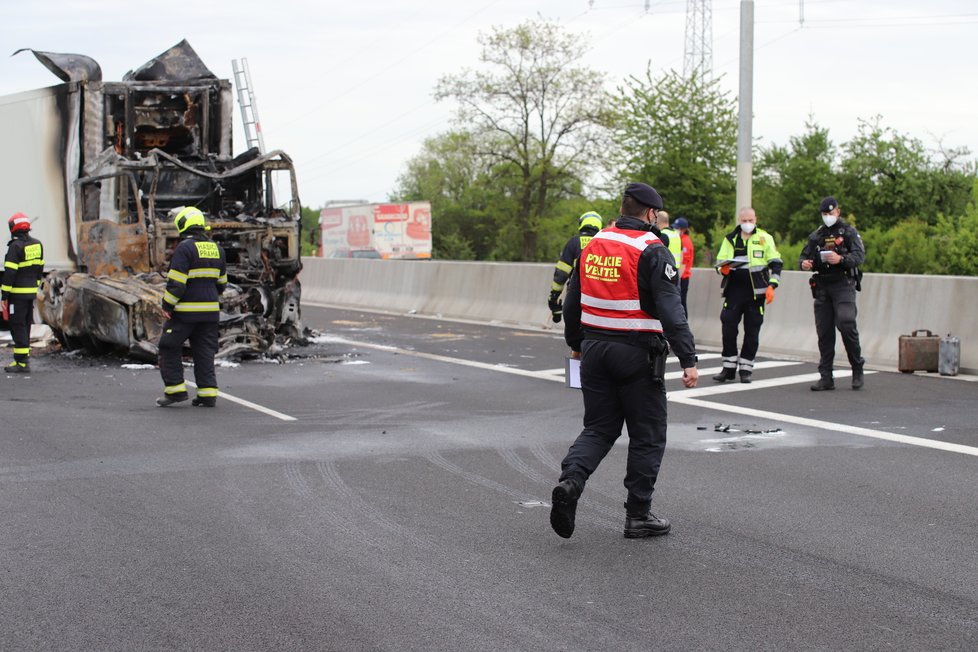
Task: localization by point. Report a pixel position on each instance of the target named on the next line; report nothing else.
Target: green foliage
(789, 183)
(536, 118)
(536, 129)
(310, 231)
(679, 135)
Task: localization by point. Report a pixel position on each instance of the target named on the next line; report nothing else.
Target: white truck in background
(392, 230)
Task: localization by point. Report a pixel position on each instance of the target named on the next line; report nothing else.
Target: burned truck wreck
(133, 151)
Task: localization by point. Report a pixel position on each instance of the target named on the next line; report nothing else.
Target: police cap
(828, 205)
(644, 195)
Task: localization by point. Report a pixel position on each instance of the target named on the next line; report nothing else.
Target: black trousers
(835, 308)
(619, 389)
(683, 291)
(739, 307)
(21, 318)
(203, 338)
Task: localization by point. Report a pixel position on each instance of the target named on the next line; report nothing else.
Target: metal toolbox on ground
(919, 351)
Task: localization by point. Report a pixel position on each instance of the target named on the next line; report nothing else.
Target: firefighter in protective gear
(751, 268)
(587, 225)
(194, 283)
(23, 268)
(622, 307)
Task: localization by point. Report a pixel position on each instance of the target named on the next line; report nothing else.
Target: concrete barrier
(890, 305)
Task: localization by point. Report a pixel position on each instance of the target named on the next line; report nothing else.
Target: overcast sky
(346, 87)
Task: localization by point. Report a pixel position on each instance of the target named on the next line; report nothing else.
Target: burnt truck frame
(133, 151)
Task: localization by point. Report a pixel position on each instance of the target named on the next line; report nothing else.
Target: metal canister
(949, 355)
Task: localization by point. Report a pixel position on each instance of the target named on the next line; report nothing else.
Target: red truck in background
(376, 230)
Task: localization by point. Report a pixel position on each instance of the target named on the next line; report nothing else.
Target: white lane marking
(253, 406)
(735, 386)
(540, 375)
(709, 371)
(685, 399)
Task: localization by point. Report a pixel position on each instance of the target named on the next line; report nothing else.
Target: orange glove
(6, 310)
(769, 294)
(724, 269)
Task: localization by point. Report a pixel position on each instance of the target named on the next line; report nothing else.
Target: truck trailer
(363, 230)
(101, 166)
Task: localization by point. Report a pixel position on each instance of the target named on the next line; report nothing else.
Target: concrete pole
(745, 166)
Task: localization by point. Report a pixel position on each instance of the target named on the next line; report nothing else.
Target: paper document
(572, 373)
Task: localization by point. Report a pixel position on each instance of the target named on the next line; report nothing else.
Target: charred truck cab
(131, 152)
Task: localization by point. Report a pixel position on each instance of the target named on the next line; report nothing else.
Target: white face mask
(747, 227)
(830, 220)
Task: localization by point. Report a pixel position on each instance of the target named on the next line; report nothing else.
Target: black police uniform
(834, 289)
(23, 269)
(617, 379)
(565, 264)
(196, 278)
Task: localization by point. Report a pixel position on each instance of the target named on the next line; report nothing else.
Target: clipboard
(572, 373)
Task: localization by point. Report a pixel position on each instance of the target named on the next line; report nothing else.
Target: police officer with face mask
(834, 253)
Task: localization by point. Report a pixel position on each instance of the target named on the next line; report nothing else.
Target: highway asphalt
(387, 488)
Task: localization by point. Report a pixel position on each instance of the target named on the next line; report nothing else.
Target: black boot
(170, 399)
(824, 383)
(18, 368)
(745, 376)
(727, 373)
(564, 508)
(857, 377)
(645, 525)
(204, 401)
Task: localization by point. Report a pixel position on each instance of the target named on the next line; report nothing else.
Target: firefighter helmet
(590, 219)
(19, 223)
(188, 217)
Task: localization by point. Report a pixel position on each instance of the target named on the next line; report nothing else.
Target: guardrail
(890, 305)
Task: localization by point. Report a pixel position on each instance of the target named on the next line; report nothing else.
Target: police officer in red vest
(622, 306)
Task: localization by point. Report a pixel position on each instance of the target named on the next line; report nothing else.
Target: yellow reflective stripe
(37, 262)
(207, 392)
(564, 267)
(20, 351)
(556, 287)
(13, 290)
(222, 279)
(175, 389)
(4, 288)
(205, 272)
(179, 277)
(169, 298)
(198, 306)
(11, 265)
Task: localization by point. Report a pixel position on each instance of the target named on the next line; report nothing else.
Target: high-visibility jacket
(762, 261)
(23, 268)
(609, 281)
(675, 244)
(568, 257)
(196, 279)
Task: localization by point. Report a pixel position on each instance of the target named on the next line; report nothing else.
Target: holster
(658, 353)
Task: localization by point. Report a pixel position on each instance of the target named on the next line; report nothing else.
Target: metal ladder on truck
(249, 109)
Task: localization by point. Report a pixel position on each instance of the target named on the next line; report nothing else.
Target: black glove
(556, 306)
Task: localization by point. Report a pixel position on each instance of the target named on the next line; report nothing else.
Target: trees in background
(538, 143)
(680, 135)
(535, 119)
